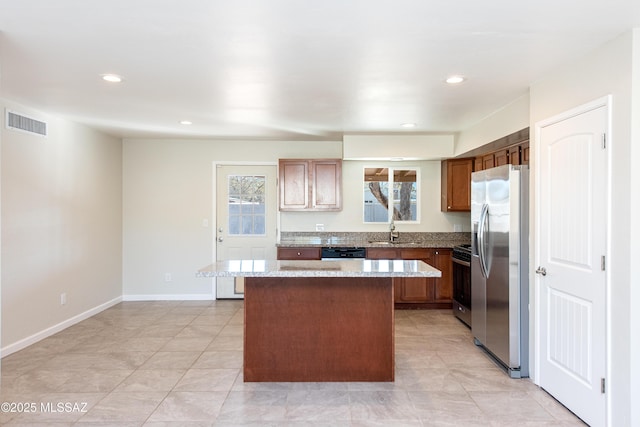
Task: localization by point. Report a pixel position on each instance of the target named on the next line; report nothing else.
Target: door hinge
(604, 141)
(602, 385)
(603, 263)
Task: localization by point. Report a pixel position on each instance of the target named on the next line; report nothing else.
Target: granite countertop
(301, 268)
(373, 240)
(369, 244)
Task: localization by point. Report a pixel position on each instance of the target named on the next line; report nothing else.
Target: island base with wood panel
(318, 329)
(319, 321)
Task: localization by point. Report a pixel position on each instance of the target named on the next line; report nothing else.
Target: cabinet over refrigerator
(499, 265)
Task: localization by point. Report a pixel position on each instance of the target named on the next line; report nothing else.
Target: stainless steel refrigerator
(500, 264)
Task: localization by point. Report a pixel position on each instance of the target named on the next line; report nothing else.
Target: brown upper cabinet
(456, 185)
(501, 157)
(525, 153)
(517, 154)
(310, 185)
(456, 173)
(488, 161)
(477, 164)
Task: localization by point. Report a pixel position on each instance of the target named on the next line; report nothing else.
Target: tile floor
(179, 364)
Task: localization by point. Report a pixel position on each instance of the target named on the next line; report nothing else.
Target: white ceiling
(290, 69)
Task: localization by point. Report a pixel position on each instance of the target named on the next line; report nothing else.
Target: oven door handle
(461, 262)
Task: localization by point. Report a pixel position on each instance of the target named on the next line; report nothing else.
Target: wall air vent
(20, 122)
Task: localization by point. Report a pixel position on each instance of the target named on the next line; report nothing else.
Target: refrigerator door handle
(481, 239)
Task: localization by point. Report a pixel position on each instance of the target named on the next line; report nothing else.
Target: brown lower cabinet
(306, 253)
(420, 292)
(410, 292)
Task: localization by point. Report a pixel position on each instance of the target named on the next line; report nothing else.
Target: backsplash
(357, 238)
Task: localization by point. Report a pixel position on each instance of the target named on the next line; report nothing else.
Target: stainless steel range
(461, 258)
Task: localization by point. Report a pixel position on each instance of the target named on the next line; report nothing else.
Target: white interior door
(570, 246)
(245, 219)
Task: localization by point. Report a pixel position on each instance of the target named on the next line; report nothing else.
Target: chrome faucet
(393, 234)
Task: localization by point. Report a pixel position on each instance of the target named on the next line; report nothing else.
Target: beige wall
(350, 218)
(634, 252)
(509, 119)
(61, 227)
(168, 193)
(607, 71)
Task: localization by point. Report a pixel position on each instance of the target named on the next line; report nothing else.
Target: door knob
(220, 239)
(541, 270)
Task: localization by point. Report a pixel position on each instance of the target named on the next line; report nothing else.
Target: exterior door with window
(245, 219)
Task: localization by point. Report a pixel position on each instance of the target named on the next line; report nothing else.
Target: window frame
(390, 181)
(252, 215)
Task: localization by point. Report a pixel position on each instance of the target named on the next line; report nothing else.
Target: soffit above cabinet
(397, 147)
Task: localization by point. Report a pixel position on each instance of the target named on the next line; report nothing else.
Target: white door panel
(571, 241)
(246, 219)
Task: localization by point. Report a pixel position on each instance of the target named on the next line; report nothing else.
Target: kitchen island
(319, 320)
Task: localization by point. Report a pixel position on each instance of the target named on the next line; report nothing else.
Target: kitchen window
(391, 193)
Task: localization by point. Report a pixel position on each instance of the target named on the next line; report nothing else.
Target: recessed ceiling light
(455, 80)
(112, 78)
(186, 122)
(408, 125)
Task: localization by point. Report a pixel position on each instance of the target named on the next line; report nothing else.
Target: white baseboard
(169, 297)
(26, 342)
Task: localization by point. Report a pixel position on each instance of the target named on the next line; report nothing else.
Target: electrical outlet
(63, 298)
(457, 228)
(167, 277)
(319, 227)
